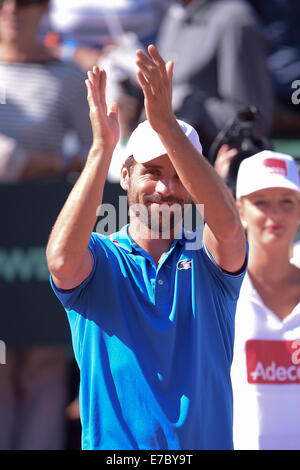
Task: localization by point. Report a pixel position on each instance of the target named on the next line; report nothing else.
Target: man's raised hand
(104, 119)
(155, 79)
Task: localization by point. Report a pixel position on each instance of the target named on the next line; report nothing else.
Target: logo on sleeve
(273, 362)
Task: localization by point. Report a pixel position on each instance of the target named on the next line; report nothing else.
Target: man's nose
(165, 186)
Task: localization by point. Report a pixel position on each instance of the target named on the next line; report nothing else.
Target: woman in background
(266, 361)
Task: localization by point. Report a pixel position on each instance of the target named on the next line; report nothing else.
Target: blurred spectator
(99, 32)
(281, 23)
(295, 254)
(44, 98)
(220, 54)
(238, 140)
(86, 30)
(266, 360)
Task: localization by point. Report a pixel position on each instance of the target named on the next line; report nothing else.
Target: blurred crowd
(235, 65)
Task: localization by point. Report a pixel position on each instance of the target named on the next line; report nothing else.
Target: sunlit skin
(153, 184)
(272, 216)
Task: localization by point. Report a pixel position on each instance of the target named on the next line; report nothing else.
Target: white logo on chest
(184, 264)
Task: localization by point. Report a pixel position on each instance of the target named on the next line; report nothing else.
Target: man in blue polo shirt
(151, 314)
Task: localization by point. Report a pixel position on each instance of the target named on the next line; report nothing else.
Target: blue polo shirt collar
(124, 240)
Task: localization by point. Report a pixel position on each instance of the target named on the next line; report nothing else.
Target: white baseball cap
(145, 145)
(267, 169)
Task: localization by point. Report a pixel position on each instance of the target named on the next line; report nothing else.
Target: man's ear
(124, 178)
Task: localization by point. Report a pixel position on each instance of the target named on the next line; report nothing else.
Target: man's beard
(160, 219)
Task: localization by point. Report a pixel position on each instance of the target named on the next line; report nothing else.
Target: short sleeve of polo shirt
(76, 299)
(229, 283)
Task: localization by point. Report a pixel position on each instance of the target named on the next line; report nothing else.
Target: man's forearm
(71, 233)
(201, 181)
(194, 171)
